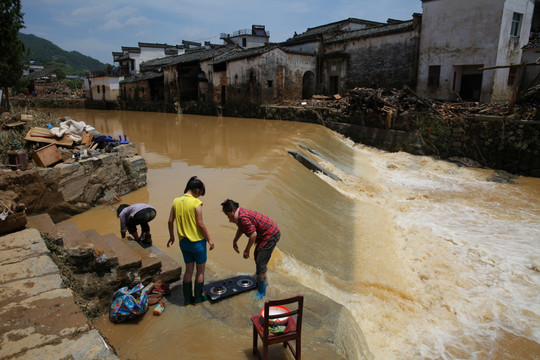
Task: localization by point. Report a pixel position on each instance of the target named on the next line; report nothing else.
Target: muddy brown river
(398, 256)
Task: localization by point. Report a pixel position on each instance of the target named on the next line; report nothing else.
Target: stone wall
(497, 142)
(71, 188)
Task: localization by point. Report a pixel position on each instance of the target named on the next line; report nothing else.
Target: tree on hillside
(11, 48)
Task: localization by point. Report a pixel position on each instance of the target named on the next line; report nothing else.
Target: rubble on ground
(406, 100)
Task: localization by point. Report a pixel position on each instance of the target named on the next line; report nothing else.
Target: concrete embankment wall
(496, 142)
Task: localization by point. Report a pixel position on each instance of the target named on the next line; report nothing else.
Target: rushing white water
(464, 255)
(432, 260)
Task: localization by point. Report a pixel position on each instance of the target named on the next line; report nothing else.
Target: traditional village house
(149, 85)
(378, 56)
(313, 40)
(257, 36)
(262, 75)
(188, 77)
(144, 86)
(130, 58)
(104, 86)
(467, 48)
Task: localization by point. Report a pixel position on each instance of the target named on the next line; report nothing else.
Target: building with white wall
(247, 38)
(104, 87)
(467, 48)
(130, 58)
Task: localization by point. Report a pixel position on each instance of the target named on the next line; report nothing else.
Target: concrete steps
(150, 264)
(89, 251)
(105, 255)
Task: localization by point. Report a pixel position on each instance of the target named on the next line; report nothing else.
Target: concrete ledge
(18, 246)
(20, 289)
(29, 268)
(89, 345)
(39, 320)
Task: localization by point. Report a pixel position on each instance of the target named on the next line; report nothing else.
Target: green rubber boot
(188, 295)
(199, 297)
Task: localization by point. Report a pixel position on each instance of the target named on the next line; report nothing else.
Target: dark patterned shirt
(250, 221)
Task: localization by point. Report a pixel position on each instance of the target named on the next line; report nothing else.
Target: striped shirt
(250, 221)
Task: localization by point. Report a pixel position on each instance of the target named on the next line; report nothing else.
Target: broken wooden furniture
(274, 326)
(47, 155)
(43, 135)
(17, 160)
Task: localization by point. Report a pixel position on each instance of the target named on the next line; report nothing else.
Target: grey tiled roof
(189, 56)
(241, 53)
(373, 31)
(323, 29)
(142, 76)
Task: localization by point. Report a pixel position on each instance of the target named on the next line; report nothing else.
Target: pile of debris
(37, 139)
(384, 100)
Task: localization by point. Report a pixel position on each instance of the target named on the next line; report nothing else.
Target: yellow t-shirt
(186, 222)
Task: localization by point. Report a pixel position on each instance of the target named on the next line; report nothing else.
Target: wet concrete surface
(39, 318)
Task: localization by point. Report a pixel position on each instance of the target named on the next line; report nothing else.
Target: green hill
(47, 54)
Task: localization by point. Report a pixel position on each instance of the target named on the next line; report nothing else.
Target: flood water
(403, 257)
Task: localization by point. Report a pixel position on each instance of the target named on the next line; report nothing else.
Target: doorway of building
(334, 85)
(308, 85)
(471, 87)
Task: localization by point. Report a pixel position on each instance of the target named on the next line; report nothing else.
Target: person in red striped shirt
(261, 232)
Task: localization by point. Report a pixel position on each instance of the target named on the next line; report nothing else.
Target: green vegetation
(11, 48)
(52, 57)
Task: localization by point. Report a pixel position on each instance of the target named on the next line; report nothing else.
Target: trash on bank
(159, 308)
(12, 216)
(47, 155)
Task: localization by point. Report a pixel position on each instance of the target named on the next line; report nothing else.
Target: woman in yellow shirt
(186, 212)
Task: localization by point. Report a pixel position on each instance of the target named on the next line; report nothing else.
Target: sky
(97, 28)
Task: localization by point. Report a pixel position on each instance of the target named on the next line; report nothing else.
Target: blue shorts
(193, 251)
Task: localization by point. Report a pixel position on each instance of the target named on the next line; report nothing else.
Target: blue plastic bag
(128, 304)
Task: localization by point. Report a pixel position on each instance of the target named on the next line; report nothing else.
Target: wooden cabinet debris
(47, 155)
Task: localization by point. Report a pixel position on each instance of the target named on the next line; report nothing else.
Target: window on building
(269, 82)
(103, 88)
(98, 89)
(244, 42)
(516, 24)
(434, 75)
(512, 72)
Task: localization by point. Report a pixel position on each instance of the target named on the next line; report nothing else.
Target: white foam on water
(473, 245)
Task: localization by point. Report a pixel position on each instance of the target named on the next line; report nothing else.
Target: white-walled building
(104, 88)
(247, 38)
(459, 38)
(130, 59)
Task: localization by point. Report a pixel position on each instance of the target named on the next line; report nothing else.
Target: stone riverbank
(74, 186)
